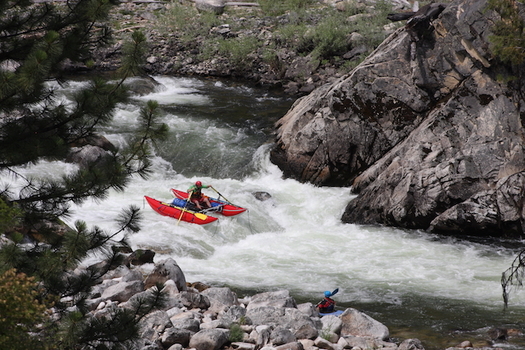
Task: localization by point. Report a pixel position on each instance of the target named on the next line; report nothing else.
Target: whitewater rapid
(220, 135)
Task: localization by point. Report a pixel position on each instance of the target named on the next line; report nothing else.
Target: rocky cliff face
(423, 130)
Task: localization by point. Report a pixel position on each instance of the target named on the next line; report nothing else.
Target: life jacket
(327, 305)
(196, 192)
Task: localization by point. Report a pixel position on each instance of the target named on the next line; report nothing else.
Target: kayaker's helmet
(327, 294)
(198, 184)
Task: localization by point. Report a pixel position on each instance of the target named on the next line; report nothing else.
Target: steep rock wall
(423, 130)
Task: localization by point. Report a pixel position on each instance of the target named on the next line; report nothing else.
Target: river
(440, 290)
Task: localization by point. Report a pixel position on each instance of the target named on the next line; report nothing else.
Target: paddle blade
(201, 216)
(335, 292)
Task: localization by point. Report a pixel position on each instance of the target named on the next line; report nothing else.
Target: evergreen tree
(508, 39)
(36, 39)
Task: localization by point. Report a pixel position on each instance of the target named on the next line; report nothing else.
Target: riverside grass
(307, 29)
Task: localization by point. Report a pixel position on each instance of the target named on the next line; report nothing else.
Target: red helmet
(198, 183)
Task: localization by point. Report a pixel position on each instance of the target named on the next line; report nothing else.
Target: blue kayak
(334, 313)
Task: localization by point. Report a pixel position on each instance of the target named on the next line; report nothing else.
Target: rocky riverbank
(203, 317)
(244, 43)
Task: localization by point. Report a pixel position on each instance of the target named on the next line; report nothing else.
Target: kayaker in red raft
(197, 197)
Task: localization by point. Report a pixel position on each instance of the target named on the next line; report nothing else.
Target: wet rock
(143, 85)
(140, 257)
(498, 333)
(88, 155)
(165, 270)
(411, 344)
(465, 344)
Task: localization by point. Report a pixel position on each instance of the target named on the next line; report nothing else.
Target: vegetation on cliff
(277, 43)
(508, 39)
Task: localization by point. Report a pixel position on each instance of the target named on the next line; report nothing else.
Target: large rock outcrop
(423, 130)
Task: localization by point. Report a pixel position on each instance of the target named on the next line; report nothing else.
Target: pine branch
(514, 276)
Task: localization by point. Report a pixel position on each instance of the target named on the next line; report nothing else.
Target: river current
(440, 290)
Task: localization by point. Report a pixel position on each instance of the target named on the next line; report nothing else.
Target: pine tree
(36, 39)
(508, 38)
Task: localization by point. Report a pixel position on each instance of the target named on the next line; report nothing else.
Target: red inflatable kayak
(223, 207)
(179, 213)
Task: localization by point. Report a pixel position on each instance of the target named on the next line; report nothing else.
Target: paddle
(226, 199)
(184, 208)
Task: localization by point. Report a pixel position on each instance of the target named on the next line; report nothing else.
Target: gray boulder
(290, 346)
(173, 336)
(122, 291)
(213, 6)
(166, 270)
(411, 344)
(209, 339)
(281, 335)
(88, 155)
(193, 300)
(189, 324)
(236, 314)
(332, 324)
(266, 315)
(356, 323)
(351, 342)
(221, 299)
(261, 335)
(153, 325)
(279, 299)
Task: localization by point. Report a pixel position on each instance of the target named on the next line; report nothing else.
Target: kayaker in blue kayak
(197, 197)
(327, 305)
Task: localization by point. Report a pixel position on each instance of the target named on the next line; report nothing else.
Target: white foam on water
(295, 240)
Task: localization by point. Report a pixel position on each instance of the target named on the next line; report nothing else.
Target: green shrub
(236, 333)
(187, 20)
(329, 37)
(237, 50)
